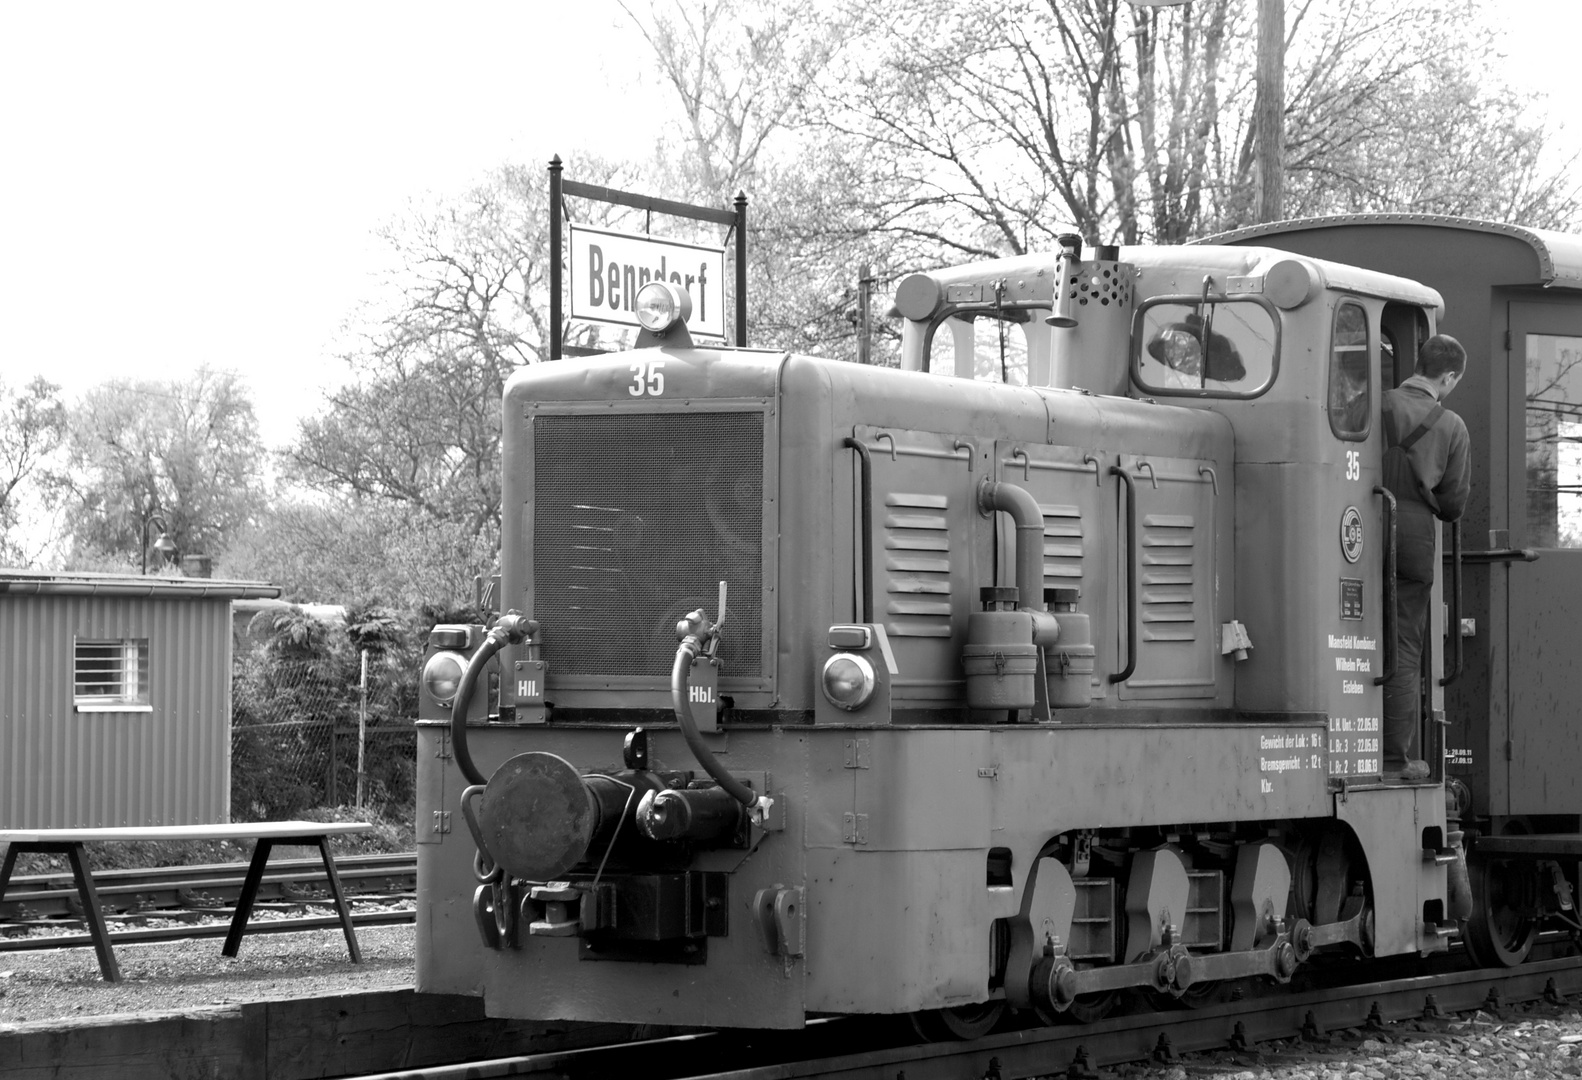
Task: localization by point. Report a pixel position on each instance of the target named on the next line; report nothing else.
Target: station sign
(607, 269)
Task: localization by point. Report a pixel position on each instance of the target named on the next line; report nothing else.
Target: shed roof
(1559, 254)
(82, 583)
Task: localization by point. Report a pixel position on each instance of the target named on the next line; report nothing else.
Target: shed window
(111, 675)
(1349, 367)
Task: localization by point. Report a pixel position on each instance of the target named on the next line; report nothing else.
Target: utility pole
(1269, 111)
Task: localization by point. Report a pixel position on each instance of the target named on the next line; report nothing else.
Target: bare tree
(334, 550)
(32, 425)
(741, 72)
(465, 305)
(186, 452)
(992, 128)
(743, 75)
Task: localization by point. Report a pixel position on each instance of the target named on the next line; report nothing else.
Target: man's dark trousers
(1417, 530)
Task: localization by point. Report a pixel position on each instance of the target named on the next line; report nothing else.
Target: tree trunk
(1269, 111)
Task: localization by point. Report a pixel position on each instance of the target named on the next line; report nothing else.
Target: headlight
(660, 305)
(442, 675)
(848, 680)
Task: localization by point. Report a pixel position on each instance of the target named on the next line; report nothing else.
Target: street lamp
(163, 544)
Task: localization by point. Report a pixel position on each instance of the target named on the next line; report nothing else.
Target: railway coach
(1045, 668)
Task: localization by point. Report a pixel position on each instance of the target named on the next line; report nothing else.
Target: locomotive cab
(1295, 353)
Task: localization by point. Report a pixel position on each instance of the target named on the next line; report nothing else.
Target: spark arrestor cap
(537, 816)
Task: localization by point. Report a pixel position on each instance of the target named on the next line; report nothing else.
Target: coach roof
(1559, 254)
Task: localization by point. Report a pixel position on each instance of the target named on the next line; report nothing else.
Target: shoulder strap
(1417, 433)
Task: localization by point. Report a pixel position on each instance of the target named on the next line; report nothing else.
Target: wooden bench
(265, 835)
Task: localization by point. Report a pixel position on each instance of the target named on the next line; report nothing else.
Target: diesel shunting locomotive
(1043, 667)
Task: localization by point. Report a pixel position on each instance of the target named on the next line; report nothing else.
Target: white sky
(184, 183)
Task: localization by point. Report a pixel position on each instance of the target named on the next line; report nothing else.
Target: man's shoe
(1409, 772)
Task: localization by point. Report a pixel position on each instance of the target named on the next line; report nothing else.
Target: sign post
(584, 304)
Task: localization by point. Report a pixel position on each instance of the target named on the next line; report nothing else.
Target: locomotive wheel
(1091, 1008)
(1086, 1009)
(964, 1022)
(1500, 933)
(1201, 995)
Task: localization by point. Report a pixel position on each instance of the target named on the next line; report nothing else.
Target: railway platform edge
(283, 1039)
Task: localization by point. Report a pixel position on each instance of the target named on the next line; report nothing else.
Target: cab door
(1542, 751)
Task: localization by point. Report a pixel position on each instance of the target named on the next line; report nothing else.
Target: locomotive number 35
(647, 379)
(1353, 463)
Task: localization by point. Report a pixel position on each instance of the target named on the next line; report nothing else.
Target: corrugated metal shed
(164, 762)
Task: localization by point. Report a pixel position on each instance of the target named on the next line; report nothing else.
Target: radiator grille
(636, 519)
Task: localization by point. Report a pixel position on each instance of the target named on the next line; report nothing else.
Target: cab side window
(983, 346)
(1350, 387)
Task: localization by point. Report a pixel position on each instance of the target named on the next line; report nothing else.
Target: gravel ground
(52, 984)
(1533, 1042)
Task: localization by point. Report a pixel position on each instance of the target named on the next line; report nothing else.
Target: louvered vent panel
(635, 521)
(1062, 548)
(917, 565)
(1168, 611)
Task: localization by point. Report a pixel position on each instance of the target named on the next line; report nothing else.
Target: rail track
(197, 901)
(866, 1050)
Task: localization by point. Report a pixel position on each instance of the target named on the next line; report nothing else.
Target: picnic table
(266, 835)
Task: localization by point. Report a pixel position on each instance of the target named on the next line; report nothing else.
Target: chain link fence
(326, 729)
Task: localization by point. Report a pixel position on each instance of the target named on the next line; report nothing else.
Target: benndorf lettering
(615, 285)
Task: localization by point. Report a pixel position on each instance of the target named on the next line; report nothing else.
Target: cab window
(1350, 389)
(984, 346)
(1214, 348)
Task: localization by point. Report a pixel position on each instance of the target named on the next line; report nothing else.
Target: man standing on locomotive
(1426, 468)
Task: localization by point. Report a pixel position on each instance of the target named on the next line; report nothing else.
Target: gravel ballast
(53, 984)
(1532, 1042)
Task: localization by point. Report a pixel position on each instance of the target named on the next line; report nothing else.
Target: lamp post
(163, 544)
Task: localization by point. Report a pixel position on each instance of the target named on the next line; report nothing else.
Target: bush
(296, 701)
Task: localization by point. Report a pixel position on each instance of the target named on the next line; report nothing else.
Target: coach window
(1350, 390)
(1209, 348)
(1554, 441)
(110, 675)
